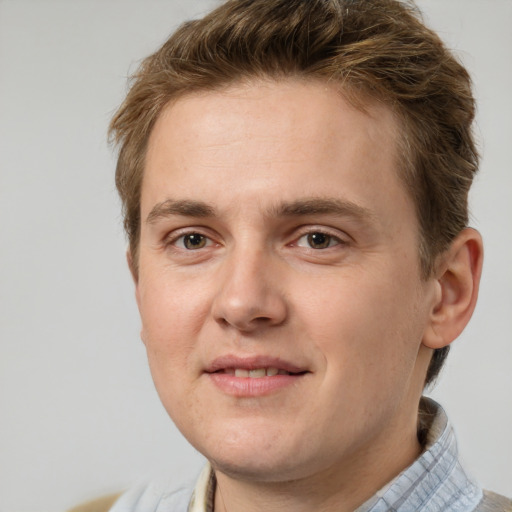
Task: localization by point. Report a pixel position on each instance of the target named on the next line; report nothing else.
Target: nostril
(223, 322)
(248, 305)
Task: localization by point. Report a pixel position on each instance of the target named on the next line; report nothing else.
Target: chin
(259, 469)
(262, 452)
(274, 461)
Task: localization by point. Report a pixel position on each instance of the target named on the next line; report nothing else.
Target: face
(279, 280)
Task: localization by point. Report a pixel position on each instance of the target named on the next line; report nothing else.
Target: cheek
(172, 314)
(170, 306)
(169, 326)
(363, 326)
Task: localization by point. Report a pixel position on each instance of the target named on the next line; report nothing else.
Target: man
(294, 177)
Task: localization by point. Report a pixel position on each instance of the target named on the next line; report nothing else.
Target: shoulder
(148, 498)
(154, 497)
(103, 504)
(492, 502)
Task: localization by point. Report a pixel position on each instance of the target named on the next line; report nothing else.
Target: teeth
(258, 372)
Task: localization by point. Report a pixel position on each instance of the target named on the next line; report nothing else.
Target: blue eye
(317, 240)
(193, 241)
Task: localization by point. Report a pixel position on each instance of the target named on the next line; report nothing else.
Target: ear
(457, 281)
(134, 271)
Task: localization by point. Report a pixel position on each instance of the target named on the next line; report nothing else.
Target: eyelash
(175, 239)
(333, 240)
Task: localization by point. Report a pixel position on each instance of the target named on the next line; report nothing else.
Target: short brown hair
(373, 48)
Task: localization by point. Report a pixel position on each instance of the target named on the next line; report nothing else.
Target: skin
(236, 172)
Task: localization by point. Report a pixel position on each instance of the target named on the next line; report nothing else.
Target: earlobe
(457, 284)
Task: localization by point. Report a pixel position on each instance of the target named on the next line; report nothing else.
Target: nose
(250, 295)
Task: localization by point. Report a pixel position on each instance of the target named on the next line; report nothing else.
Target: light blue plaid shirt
(435, 482)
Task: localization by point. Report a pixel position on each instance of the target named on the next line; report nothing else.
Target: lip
(252, 363)
(245, 387)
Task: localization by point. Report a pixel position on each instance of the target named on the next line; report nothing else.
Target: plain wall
(79, 415)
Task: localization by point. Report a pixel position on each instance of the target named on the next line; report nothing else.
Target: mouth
(254, 376)
(256, 373)
(253, 366)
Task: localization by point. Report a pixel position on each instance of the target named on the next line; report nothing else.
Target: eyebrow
(322, 206)
(298, 208)
(186, 208)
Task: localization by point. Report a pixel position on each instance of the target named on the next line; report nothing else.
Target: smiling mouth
(256, 373)
(254, 376)
(254, 382)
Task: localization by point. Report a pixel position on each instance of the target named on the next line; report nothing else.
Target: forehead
(274, 140)
(293, 108)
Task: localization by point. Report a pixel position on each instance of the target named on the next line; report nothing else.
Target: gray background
(79, 416)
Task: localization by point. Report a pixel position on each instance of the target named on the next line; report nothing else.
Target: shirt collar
(436, 480)
(204, 492)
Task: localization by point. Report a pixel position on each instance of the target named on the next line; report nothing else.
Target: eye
(318, 240)
(192, 241)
